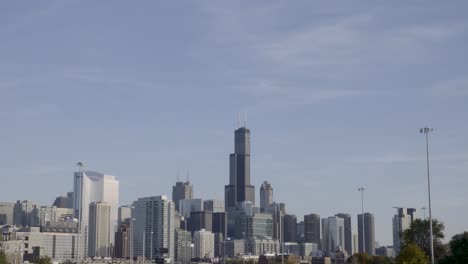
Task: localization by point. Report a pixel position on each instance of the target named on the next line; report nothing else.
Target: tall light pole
(80, 168)
(362, 189)
(151, 246)
(424, 212)
(426, 131)
(131, 237)
(143, 242)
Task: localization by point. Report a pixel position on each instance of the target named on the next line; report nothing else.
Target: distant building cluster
(89, 223)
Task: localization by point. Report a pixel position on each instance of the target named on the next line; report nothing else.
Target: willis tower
(239, 188)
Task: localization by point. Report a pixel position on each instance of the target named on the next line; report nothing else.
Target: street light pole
(362, 189)
(151, 245)
(426, 131)
(144, 255)
(80, 167)
(131, 237)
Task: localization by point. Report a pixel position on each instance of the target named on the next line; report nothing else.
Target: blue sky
(334, 94)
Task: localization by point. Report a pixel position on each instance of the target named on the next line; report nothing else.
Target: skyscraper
(266, 195)
(401, 221)
(181, 191)
(25, 214)
(213, 205)
(369, 234)
(289, 228)
(204, 244)
(183, 246)
(332, 233)
(259, 225)
(312, 228)
(89, 187)
(154, 221)
(348, 235)
(239, 188)
(6, 213)
(200, 220)
(122, 242)
(124, 214)
(220, 223)
(99, 230)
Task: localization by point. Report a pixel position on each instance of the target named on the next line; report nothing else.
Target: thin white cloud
(438, 32)
(300, 46)
(453, 87)
(405, 158)
(98, 76)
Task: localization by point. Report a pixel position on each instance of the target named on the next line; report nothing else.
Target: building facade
(348, 233)
(312, 228)
(200, 220)
(186, 206)
(181, 191)
(289, 228)
(89, 187)
(183, 246)
(6, 213)
(369, 233)
(215, 206)
(401, 221)
(25, 214)
(204, 244)
(220, 223)
(266, 195)
(239, 188)
(99, 230)
(153, 221)
(333, 237)
(122, 242)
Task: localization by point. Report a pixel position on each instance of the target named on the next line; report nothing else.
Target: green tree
(459, 250)
(2, 255)
(44, 260)
(381, 260)
(412, 254)
(3, 258)
(419, 235)
(360, 258)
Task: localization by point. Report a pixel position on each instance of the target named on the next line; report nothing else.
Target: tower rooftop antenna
(245, 119)
(80, 165)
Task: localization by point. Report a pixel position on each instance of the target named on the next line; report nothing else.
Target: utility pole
(362, 189)
(426, 131)
(80, 168)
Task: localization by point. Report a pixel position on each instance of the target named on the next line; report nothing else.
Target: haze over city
(334, 98)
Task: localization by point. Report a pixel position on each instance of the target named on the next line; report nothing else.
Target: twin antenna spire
(178, 176)
(240, 122)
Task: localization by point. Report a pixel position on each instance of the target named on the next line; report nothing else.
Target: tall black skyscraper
(239, 188)
(181, 191)
(289, 228)
(312, 228)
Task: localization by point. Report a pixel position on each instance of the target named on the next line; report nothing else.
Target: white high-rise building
(333, 234)
(91, 187)
(204, 244)
(401, 221)
(153, 225)
(99, 230)
(266, 195)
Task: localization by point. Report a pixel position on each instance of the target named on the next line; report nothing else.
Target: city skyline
(332, 94)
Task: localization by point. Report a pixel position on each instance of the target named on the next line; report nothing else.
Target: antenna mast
(245, 119)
